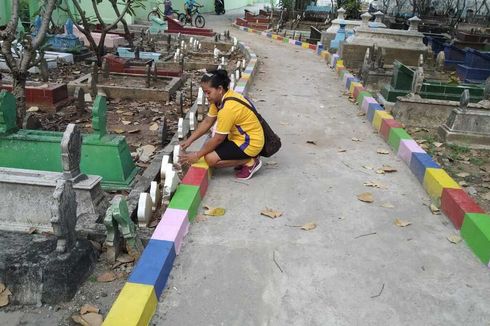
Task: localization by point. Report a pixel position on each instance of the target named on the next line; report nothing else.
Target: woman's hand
(185, 144)
(190, 158)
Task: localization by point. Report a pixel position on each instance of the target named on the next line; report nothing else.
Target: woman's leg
(215, 161)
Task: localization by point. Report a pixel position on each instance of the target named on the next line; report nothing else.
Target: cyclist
(189, 5)
(168, 11)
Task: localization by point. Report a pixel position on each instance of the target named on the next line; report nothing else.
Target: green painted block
(342, 73)
(476, 232)
(285, 40)
(188, 198)
(395, 136)
(362, 95)
(8, 113)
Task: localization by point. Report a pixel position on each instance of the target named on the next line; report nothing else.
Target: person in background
(168, 10)
(239, 136)
(188, 6)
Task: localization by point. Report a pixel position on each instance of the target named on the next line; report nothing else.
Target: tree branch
(125, 10)
(44, 25)
(96, 10)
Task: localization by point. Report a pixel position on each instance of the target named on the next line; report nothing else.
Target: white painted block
(180, 128)
(163, 166)
(171, 181)
(232, 84)
(176, 154)
(155, 194)
(192, 121)
(235, 41)
(244, 63)
(144, 208)
(200, 96)
(237, 74)
(222, 60)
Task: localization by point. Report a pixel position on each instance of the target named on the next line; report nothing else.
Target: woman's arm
(202, 128)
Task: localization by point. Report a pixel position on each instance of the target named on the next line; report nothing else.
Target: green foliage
(286, 4)
(352, 8)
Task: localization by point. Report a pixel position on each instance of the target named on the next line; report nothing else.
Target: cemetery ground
(334, 255)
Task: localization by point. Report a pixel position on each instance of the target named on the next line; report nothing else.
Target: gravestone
(64, 215)
(468, 125)
(94, 80)
(79, 95)
(43, 69)
(99, 116)
(8, 115)
(71, 149)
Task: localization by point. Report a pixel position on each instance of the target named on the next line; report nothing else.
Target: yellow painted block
(202, 164)
(251, 30)
(379, 116)
(352, 86)
(325, 54)
(305, 45)
(135, 305)
(340, 62)
(245, 76)
(339, 68)
(274, 37)
(435, 180)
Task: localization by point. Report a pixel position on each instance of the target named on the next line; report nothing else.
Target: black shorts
(228, 150)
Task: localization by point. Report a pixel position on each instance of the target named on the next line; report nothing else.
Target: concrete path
(247, 269)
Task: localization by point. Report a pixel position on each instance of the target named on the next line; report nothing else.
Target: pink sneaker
(248, 171)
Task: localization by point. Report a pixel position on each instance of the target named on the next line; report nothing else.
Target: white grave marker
(155, 194)
(144, 208)
(163, 167)
(192, 121)
(180, 128)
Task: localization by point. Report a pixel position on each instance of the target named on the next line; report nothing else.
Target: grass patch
(478, 161)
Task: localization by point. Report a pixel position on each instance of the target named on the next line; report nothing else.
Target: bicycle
(199, 20)
(157, 12)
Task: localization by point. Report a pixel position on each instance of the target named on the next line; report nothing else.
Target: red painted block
(197, 177)
(455, 203)
(386, 125)
(280, 38)
(312, 46)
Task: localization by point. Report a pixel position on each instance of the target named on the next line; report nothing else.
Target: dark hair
(217, 78)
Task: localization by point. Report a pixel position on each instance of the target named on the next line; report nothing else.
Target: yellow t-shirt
(239, 123)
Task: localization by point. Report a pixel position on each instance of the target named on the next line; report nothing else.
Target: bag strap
(246, 104)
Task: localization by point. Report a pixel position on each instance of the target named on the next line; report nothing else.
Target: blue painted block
(372, 108)
(352, 80)
(154, 265)
(245, 29)
(269, 34)
(298, 43)
(419, 162)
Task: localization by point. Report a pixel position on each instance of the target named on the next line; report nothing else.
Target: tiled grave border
(137, 301)
(465, 214)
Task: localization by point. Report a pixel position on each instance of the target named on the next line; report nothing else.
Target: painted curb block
(435, 180)
(476, 233)
(396, 135)
(372, 108)
(173, 227)
(135, 305)
(378, 118)
(187, 197)
(366, 101)
(455, 203)
(407, 148)
(386, 126)
(197, 177)
(151, 269)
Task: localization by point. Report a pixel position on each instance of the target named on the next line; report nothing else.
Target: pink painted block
(366, 101)
(406, 148)
(293, 42)
(239, 89)
(173, 226)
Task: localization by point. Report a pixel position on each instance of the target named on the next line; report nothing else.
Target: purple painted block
(365, 103)
(239, 89)
(173, 226)
(406, 148)
(333, 61)
(293, 42)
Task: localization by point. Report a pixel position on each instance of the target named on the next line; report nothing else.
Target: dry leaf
(309, 226)
(486, 196)
(4, 295)
(124, 122)
(402, 223)
(463, 183)
(382, 151)
(454, 238)
(118, 130)
(270, 213)
(436, 144)
(434, 209)
(311, 142)
(341, 150)
(367, 167)
(78, 320)
(388, 169)
(93, 319)
(214, 211)
(153, 127)
(106, 277)
(133, 131)
(31, 230)
(380, 171)
(125, 259)
(366, 197)
(86, 308)
(462, 174)
(284, 123)
(388, 205)
(375, 184)
(355, 139)
(361, 114)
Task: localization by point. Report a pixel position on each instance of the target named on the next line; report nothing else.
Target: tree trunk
(19, 91)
